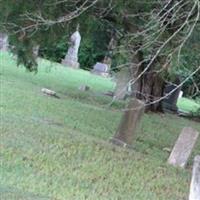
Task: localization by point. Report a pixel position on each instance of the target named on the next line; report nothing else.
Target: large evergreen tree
(149, 34)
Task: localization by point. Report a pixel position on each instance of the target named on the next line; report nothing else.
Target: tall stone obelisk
(71, 58)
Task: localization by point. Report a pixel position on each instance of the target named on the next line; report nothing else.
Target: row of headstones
(122, 79)
(102, 69)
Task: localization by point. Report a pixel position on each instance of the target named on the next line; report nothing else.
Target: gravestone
(183, 147)
(180, 94)
(3, 42)
(127, 129)
(49, 92)
(170, 102)
(122, 84)
(71, 59)
(84, 88)
(36, 50)
(195, 183)
(101, 69)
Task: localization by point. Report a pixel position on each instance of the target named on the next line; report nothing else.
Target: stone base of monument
(103, 74)
(170, 108)
(70, 63)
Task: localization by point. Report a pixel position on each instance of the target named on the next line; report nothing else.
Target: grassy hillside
(57, 148)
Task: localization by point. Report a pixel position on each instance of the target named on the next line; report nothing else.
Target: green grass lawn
(188, 105)
(58, 149)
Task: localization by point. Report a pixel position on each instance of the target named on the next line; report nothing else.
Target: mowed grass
(188, 105)
(58, 149)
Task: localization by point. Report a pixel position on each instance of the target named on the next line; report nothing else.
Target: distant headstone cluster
(71, 58)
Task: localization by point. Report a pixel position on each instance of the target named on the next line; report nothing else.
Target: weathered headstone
(71, 59)
(183, 147)
(49, 92)
(84, 88)
(101, 69)
(128, 125)
(122, 83)
(195, 183)
(3, 42)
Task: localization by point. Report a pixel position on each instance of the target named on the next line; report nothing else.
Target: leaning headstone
(71, 59)
(195, 183)
(3, 42)
(101, 69)
(127, 129)
(122, 84)
(183, 147)
(84, 88)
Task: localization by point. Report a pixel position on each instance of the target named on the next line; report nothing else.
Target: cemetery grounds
(58, 149)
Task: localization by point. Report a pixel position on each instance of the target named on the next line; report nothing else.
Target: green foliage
(187, 63)
(19, 20)
(95, 41)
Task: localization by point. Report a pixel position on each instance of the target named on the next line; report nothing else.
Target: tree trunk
(150, 86)
(151, 90)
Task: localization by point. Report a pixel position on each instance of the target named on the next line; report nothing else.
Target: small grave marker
(49, 92)
(101, 69)
(183, 147)
(84, 88)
